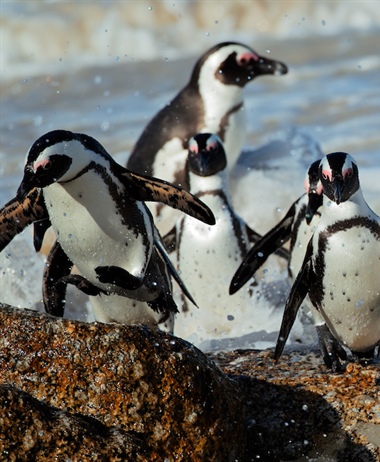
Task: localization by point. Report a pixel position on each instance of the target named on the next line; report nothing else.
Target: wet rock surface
(298, 410)
(160, 387)
(77, 391)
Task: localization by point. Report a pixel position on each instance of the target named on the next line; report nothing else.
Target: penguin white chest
(209, 255)
(351, 285)
(91, 230)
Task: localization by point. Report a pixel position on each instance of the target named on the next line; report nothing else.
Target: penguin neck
(355, 206)
(219, 99)
(202, 185)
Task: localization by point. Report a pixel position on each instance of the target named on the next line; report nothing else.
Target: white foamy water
(106, 68)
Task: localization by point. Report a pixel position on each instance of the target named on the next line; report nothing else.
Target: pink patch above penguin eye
(211, 146)
(326, 174)
(44, 164)
(348, 173)
(246, 58)
(193, 147)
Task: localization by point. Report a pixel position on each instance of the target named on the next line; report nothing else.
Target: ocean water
(105, 68)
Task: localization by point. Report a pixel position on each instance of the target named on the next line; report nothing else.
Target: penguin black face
(43, 173)
(314, 190)
(339, 176)
(58, 156)
(206, 155)
(235, 64)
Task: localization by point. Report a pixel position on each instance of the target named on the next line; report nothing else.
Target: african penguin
(297, 226)
(97, 210)
(294, 227)
(208, 255)
(341, 269)
(212, 101)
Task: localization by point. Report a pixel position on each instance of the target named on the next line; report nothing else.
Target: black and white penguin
(212, 101)
(297, 226)
(208, 255)
(97, 210)
(341, 269)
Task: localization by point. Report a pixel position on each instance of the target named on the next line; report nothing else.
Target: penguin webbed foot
(365, 357)
(117, 276)
(164, 303)
(332, 350)
(82, 284)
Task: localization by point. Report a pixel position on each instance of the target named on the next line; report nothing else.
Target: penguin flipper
(15, 216)
(117, 276)
(58, 265)
(331, 349)
(39, 229)
(254, 237)
(145, 188)
(172, 270)
(264, 247)
(297, 294)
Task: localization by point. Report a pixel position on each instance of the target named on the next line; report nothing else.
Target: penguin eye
(348, 173)
(326, 175)
(212, 147)
(47, 165)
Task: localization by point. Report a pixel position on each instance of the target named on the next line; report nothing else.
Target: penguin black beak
(27, 184)
(315, 201)
(270, 66)
(337, 189)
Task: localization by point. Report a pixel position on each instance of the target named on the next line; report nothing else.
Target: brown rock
(130, 393)
(32, 430)
(299, 410)
(141, 380)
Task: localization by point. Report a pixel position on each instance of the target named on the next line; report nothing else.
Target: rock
(71, 389)
(130, 377)
(299, 410)
(45, 433)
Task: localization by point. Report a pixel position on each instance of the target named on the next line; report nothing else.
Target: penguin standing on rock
(212, 101)
(208, 255)
(297, 226)
(103, 227)
(341, 269)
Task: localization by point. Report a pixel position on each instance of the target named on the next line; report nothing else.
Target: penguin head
(313, 187)
(339, 176)
(234, 64)
(206, 155)
(58, 156)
